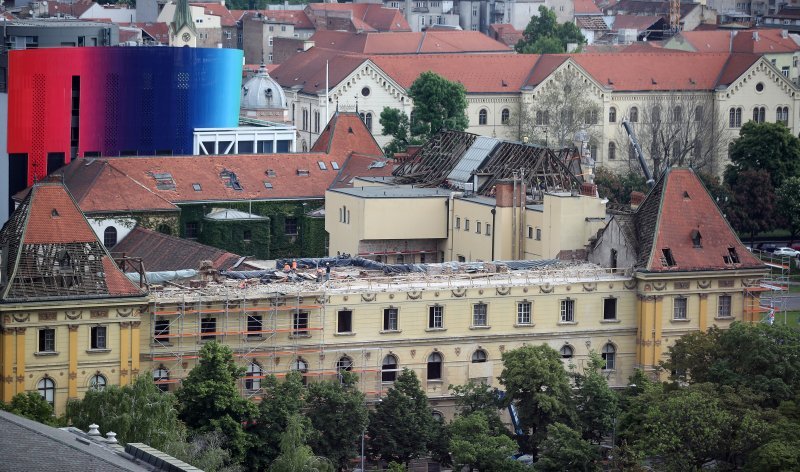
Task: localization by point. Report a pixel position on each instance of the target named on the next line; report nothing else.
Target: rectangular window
(568, 311)
(610, 309)
(538, 234)
(458, 223)
(300, 324)
(466, 225)
(98, 337)
(47, 340)
(254, 326)
(436, 317)
(530, 232)
(478, 227)
(785, 71)
(161, 331)
(344, 321)
(524, 313)
(208, 326)
(479, 314)
(290, 226)
(190, 231)
(679, 309)
(724, 306)
(390, 319)
(488, 229)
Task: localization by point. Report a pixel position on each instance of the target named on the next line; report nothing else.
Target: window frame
(434, 366)
(46, 387)
(208, 325)
(391, 319)
(164, 331)
(483, 117)
(98, 338)
(479, 357)
(254, 369)
(253, 320)
(609, 356)
(480, 320)
(159, 375)
(436, 316)
(47, 338)
(391, 372)
(606, 302)
(567, 310)
(109, 233)
(340, 321)
(680, 308)
(724, 310)
(524, 309)
(95, 382)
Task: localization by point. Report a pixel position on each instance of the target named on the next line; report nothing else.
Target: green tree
(564, 450)
(138, 412)
(295, 455)
(33, 406)
(544, 35)
(686, 429)
(204, 451)
(338, 413)
(279, 402)
(395, 123)
(535, 380)
(475, 445)
(209, 400)
(618, 187)
(788, 206)
(770, 147)
(477, 397)
(753, 207)
(400, 427)
(438, 103)
(596, 402)
(762, 358)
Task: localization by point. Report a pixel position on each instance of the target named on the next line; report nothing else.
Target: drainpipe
(451, 218)
(494, 228)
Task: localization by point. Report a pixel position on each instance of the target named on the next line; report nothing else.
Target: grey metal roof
(381, 191)
(28, 445)
(472, 160)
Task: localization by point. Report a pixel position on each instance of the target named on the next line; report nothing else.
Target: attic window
(54, 213)
(164, 181)
(268, 185)
(377, 165)
(667, 258)
(197, 187)
(686, 195)
(302, 172)
(271, 173)
(230, 179)
(733, 255)
(322, 165)
(335, 165)
(697, 238)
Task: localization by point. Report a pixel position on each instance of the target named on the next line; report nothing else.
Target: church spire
(183, 17)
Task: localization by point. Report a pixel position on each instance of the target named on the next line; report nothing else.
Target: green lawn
(792, 318)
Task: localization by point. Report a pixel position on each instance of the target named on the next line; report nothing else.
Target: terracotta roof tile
(366, 15)
(116, 282)
(586, 7)
(359, 165)
(684, 207)
(298, 18)
(161, 252)
(54, 218)
(218, 9)
(635, 22)
(346, 133)
(407, 42)
(307, 69)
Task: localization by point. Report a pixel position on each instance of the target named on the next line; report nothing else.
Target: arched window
(612, 115)
(735, 118)
(368, 121)
(389, 368)
(482, 117)
(304, 146)
(47, 389)
(252, 379)
(782, 115)
(698, 113)
(161, 378)
(759, 114)
(97, 382)
(164, 229)
(344, 364)
(612, 151)
(634, 115)
(438, 416)
(505, 116)
(655, 113)
(300, 365)
(479, 356)
(609, 356)
(110, 237)
(677, 114)
(566, 351)
(435, 366)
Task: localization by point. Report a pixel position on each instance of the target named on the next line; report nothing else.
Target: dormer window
(270, 173)
(697, 239)
(302, 172)
(54, 213)
(686, 195)
(667, 258)
(733, 255)
(230, 179)
(164, 181)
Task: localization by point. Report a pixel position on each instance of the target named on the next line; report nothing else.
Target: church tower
(182, 31)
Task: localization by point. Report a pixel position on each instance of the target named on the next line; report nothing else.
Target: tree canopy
(544, 35)
(475, 445)
(769, 147)
(438, 103)
(788, 205)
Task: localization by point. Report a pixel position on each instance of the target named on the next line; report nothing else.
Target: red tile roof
(505, 33)
(676, 208)
(365, 16)
(116, 282)
(307, 69)
(359, 165)
(407, 42)
(635, 22)
(769, 41)
(344, 134)
(162, 252)
(218, 9)
(75, 9)
(480, 73)
(297, 18)
(54, 218)
(158, 31)
(586, 7)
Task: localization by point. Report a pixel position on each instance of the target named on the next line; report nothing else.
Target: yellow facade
(68, 358)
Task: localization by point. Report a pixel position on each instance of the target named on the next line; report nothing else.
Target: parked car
(766, 247)
(786, 251)
(796, 246)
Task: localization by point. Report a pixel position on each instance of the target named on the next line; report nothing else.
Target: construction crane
(638, 151)
(674, 15)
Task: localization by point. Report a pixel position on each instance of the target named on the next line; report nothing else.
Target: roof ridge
(138, 183)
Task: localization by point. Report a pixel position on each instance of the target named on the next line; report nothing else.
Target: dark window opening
(613, 258)
(254, 326)
(247, 235)
(47, 340)
(390, 319)
(733, 255)
(208, 326)
(300, 324)
(697, 239)
(110, 237)
(98, 338)
(191, 230)
(479, 356)
(161, 331)
(290, 226)
(435, 366)
(610, 309)
(667, 258)
(566, 352)
(389, 369)
(344, 321)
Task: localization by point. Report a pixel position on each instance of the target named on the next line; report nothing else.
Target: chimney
(755, 35)
(504, 193)
(111, 437)
(93, 430)
(636, 199)
(784, 34)
(588, 189)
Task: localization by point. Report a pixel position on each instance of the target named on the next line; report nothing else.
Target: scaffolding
(767, 298)
(263, 328)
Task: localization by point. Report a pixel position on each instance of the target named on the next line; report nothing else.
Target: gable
(760, 71)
